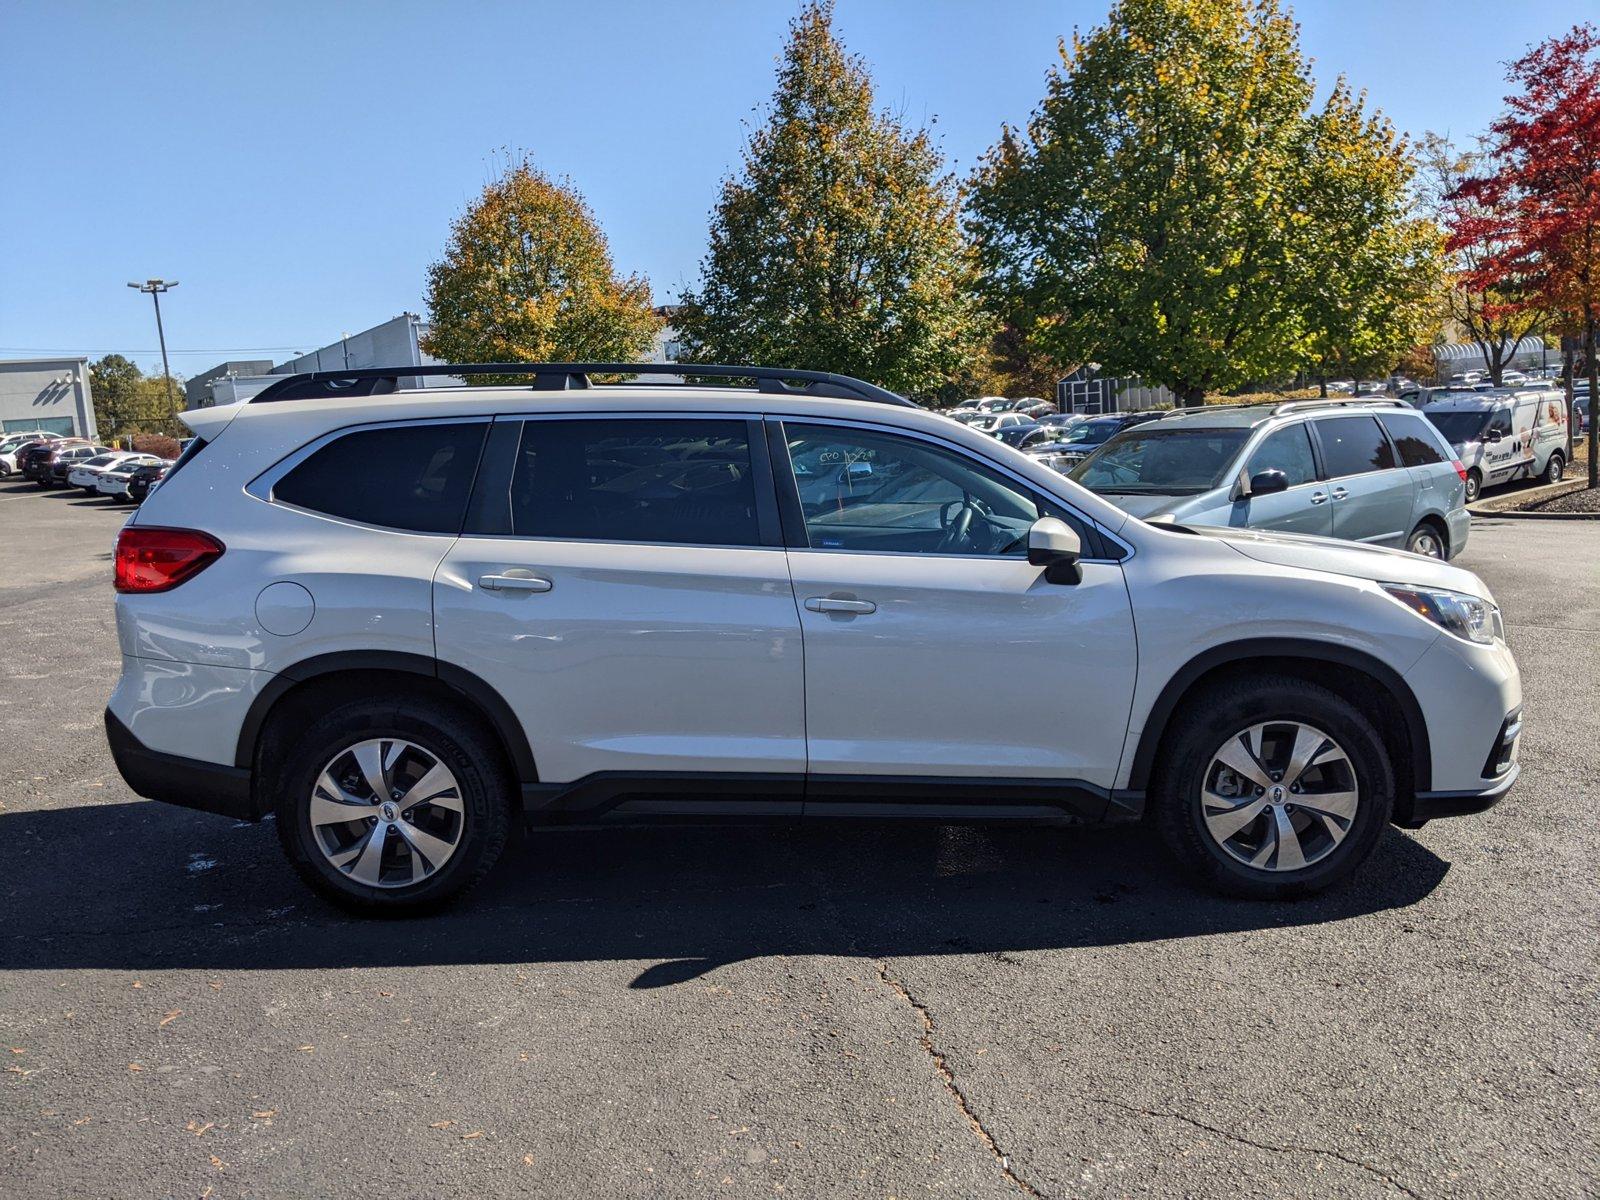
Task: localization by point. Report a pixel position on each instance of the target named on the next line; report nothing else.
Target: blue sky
(296, 165)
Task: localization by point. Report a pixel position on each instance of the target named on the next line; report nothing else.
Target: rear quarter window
(412, 477)
(1419, 442)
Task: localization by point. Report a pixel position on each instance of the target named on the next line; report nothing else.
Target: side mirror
(1053, 545)
(1494, 435)
(1265, 483)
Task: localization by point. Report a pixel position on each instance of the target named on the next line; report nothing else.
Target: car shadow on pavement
(145, 886)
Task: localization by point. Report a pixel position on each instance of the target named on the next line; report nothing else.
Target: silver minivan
(1364, 470)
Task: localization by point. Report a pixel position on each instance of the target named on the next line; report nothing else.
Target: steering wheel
(957, 525)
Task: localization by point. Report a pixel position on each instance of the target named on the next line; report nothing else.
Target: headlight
(1455, 612)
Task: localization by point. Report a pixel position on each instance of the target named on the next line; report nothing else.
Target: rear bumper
(209, 787)
(1458, 525)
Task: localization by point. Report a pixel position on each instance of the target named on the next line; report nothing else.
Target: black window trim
(794, 517)
(263, 485)
(768, 526)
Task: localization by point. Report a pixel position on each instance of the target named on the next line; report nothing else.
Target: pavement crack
(1271, 1147)
(947, 1078)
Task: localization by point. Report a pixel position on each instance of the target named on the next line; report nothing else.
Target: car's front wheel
(393, 807)
(1272, 787)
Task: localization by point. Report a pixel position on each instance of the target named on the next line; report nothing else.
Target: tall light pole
(155, 287)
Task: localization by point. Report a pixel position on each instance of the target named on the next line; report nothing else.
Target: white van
(1501, 436)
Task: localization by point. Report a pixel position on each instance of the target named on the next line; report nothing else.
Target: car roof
(273, 430)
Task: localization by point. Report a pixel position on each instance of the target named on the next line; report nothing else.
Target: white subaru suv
(398, 620)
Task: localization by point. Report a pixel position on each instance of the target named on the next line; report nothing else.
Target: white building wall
(395, 343)
(46, 393)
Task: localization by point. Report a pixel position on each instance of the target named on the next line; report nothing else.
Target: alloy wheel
(1279, 796)
(1427, 544)
(387, 813)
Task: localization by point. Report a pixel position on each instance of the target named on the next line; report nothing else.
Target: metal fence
(1104, 395)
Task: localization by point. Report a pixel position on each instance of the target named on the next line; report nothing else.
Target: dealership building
(48, 394)
(395, 343)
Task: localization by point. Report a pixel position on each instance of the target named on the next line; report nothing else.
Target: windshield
(1169, 461)
(1460, 427)
(1094, 432)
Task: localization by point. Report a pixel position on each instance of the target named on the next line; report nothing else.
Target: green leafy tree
(838, 246)
(1370, 269)
(526, 276)
(127, 401)
(114, 384)
(1149, 217)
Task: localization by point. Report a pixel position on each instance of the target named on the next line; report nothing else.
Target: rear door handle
(1339, 493)
(1319, 497)
(514, 583)
(826, 604)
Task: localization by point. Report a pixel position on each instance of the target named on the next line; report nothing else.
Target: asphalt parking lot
(831, 1010)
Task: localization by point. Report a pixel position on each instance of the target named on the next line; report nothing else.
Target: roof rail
(558, 377)
(1363, 402)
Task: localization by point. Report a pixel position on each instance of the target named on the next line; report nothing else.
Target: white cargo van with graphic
(1504, 436)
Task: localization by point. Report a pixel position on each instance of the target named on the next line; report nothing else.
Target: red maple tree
(1539, 205)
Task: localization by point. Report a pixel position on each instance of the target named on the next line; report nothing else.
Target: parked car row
(52, 460)
(1372, 471)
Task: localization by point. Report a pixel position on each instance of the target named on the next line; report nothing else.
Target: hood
(1335, 557)
(1148, 505)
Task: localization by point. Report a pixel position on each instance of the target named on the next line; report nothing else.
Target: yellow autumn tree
(526, 276)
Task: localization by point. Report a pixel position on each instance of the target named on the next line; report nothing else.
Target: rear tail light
(158, 560)
(1460, 470)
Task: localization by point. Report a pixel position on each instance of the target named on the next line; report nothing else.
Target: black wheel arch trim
(1267, 650)
(482, 695)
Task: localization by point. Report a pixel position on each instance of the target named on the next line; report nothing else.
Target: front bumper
(209, 787)
(1432, 806)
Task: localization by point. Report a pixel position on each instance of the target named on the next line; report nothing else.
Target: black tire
(458, 742)
(1555, 468)
(1427, 540)
(1474, 485)
(1211, 717)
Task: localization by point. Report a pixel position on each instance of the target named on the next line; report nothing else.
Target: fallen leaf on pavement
(305, 1049)
(266, 1114)
(527, 1160)
(441, 1125)
(197, 1129)
(135, 1067)
(476, 1133)
(18, 1050)
(171, 1017)
(217, 1162)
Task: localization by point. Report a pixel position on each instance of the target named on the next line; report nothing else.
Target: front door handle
(827, 604)
(514, 583)
(1319, 497)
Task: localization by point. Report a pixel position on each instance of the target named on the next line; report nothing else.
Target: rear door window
(1418, 441)
(1353, 446)
(689, 482)
(412, 477)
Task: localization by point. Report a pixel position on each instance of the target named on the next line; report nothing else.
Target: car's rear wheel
(1555, 469)
(393, 807)
(1474, 484)
(1272, 787)
(1426, 540)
